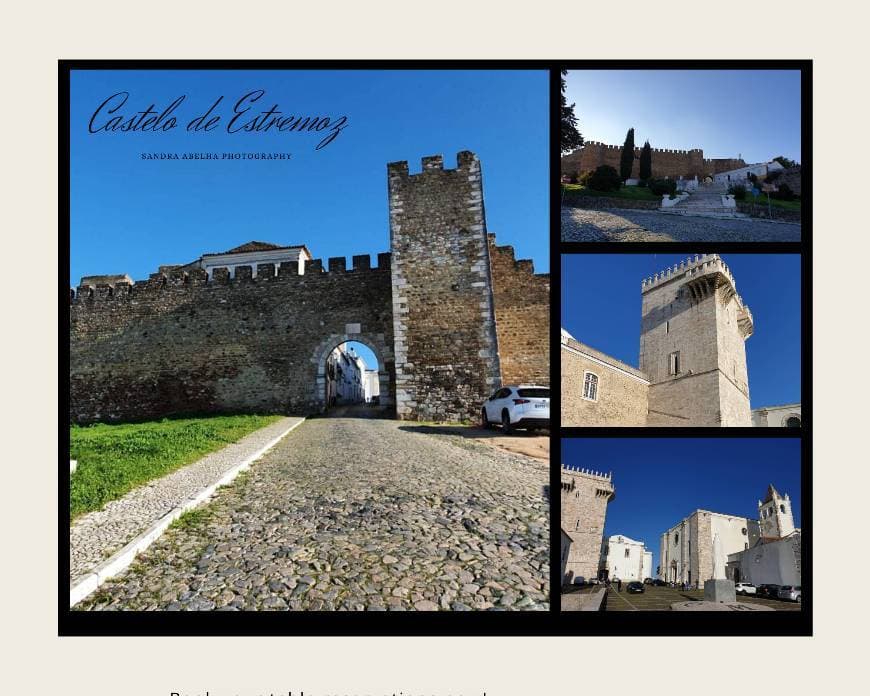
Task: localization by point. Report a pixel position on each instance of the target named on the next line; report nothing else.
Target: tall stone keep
(775, 515)
(693, 329)
(443, 314)
(584, 498)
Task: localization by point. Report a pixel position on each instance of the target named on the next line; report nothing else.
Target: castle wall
(622, 393)
(444, 321)
(665, 162)
(185, 344)
(522, 316)
(584, 499)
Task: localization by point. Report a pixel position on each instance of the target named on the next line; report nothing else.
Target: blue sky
(726, 113)
(130, 215)
(658, 482)
(601, 305)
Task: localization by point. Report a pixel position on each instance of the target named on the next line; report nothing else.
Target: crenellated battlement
(507, 253)
(465, 161)
(111, 287)
(569, 470)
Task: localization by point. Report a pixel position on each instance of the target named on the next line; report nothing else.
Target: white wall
(627, 567)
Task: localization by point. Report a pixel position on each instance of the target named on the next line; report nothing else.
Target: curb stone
(122, 559)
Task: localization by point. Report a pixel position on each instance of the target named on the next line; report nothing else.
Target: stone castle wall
(444, 319)
(182, 344)
(622, 393)
(665, 162)
(522, 317)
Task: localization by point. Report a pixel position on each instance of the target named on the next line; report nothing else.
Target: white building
(686, 551)
(741, 176)
(787, 416)
(345, 372)
(626, 559)
(372, 384)
(254, 253)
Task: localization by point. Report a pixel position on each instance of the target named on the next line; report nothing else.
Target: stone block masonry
(182, 344)
(447, 357)
(522, 317)
(665, 162)
(255, 339)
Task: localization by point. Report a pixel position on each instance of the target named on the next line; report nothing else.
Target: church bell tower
(774, 514)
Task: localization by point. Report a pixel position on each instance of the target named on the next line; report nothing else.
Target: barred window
(590, 386)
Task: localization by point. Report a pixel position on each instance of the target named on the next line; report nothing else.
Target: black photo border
(523, 623)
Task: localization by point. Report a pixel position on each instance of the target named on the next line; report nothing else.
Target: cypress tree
(627, 158)
(646, 162)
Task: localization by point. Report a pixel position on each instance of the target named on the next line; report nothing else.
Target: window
(590, 386)
(782, 509)
(743, 531)
(626, 553)
(674, 362)
(676, 538)
(793, 422)
(667, 327)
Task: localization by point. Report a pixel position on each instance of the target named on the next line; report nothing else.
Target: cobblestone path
(352, 514)
(579, 225)
(95, 536)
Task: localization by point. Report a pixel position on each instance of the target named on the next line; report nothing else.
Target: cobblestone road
(352, 514)
(94, 537)
(579, 225)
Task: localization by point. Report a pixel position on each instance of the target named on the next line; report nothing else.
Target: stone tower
(443, 315)
(774, 514)
(584, 498)
(693, 329)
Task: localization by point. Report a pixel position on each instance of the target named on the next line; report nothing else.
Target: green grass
(775, 204)
(115, 459)
(192, 519)
(634, 193)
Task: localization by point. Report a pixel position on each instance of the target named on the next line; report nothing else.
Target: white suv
(521, 406)
(745, 588)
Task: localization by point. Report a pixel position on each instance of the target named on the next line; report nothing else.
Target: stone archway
(375, 342)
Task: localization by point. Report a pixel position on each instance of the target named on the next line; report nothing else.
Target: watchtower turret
(693, 329)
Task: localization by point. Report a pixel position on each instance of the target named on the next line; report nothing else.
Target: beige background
(36, 661)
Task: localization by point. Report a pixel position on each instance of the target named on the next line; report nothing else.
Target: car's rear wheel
(484, 420)
(506, 423)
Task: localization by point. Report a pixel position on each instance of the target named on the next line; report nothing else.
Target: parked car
(635, 587)
(659, 583)
(647, 581)
(523, 406)
(745, 588)
(771, 591)
(594, 581)
(791, 593)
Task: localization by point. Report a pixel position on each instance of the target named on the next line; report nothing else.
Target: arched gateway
(377, 344)
(449, 314)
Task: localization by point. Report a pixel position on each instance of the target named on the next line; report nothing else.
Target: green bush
(784, 194)
(738, 191)
(605, 178)
(660, 187)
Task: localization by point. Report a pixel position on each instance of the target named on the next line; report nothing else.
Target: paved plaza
(355, 514)
(660, 599)
(580, 225)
